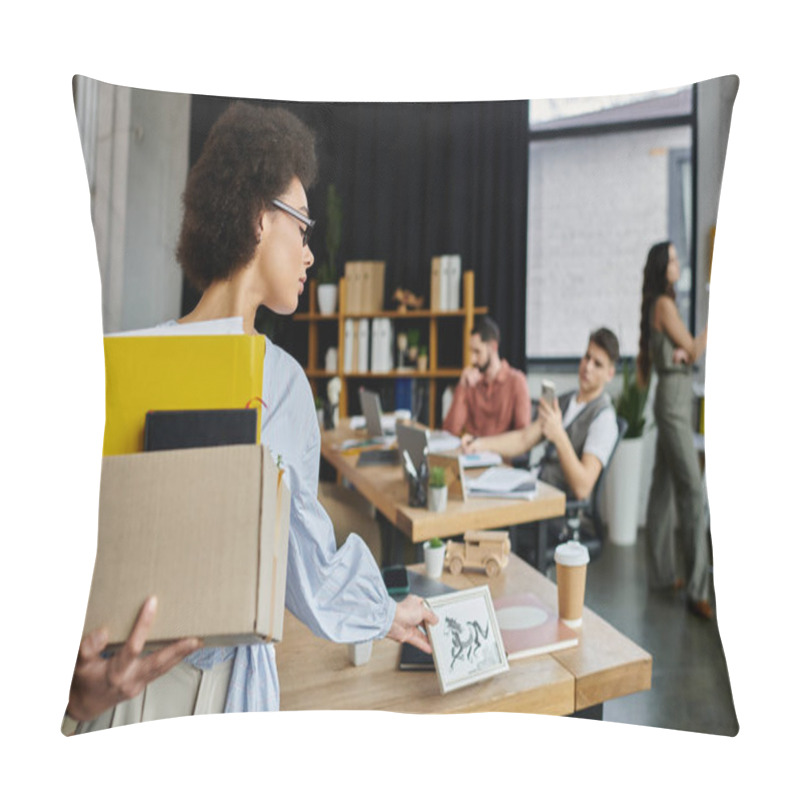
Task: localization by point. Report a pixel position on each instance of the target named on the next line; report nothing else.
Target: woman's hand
(99, 683)
(408, 616)
(680, 356)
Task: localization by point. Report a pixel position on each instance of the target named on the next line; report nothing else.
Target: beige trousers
(182, 692)
(677, 483)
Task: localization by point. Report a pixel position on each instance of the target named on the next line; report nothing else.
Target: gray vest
(577, 431)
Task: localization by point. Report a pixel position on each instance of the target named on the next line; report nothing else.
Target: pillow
(420, 180)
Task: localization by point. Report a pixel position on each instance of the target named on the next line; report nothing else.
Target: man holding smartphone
(580, 426)
(491, 396)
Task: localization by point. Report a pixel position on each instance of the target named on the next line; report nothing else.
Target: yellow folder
(168, 373)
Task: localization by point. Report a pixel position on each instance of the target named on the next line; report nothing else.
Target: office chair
(582, 520)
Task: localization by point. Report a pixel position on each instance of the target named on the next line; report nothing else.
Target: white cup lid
(572, 554)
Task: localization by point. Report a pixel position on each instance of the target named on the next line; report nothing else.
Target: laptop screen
(414, 440)
(372, 411)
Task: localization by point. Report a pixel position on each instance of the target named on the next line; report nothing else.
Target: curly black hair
(654, 284)
(250, 157)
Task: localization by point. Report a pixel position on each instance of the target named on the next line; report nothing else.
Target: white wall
(715, 102)
(136, 143)
(596, 206)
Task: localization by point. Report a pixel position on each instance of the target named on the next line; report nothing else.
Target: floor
(690, 687)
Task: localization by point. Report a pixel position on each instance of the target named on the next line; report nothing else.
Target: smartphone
(548, 391)
(396, 580)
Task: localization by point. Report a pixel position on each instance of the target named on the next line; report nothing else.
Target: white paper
(504, 479)
(440, 441)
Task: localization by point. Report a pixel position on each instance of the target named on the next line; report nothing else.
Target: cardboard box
(206, 530)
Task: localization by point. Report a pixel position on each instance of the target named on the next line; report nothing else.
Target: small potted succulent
(437, 489)
(434, 557)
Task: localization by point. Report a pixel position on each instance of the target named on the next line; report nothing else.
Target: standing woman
(667, 345)
(245, 243)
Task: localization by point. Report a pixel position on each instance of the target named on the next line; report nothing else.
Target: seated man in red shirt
(491, 396)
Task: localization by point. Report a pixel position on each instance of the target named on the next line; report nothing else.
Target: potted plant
(412, 338)
(434, 557)
(437, 489)
(422, 359)
(328, 276)
(624, 472)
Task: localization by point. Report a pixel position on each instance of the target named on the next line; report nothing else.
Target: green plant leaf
(631, 403)
(436, 480)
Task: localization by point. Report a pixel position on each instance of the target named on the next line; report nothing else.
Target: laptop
(414, 440)
(373, 413)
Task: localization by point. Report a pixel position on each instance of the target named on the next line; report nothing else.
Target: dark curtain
(419, 180)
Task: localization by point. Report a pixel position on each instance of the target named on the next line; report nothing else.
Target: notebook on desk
(441, 441)
(368, 458)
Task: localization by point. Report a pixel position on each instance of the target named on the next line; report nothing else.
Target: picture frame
(466, 642)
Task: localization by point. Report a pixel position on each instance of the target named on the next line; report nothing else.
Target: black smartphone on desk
(396, 580)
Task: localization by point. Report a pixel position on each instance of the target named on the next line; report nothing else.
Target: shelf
(424, 313)
(439, 373)
(430, 319)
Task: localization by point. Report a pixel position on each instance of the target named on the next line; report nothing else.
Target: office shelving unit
(434, 374)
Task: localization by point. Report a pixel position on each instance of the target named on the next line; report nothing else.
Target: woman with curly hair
(245, 243)
(667, 345)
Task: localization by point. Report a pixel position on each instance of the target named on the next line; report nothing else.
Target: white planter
(326, 297)
(434, 560)
(360, 653)
(648, 460)
(622, 492)
(437, 498)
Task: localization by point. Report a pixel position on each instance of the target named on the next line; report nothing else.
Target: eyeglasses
(298, 215)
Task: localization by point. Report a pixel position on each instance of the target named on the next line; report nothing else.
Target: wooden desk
(385, 487)
(316, 674)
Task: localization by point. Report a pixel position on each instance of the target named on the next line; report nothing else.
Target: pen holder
(330, 415)
(418, 486)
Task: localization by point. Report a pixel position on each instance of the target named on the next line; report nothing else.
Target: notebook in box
(173, 430)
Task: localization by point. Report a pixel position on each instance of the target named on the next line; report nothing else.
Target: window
(608, 177)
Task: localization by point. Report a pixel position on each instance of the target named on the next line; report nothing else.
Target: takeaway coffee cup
(571, 560)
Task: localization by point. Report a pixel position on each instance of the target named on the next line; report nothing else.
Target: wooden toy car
(486, 550)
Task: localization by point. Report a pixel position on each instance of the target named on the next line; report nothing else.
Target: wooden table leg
(392, 543)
